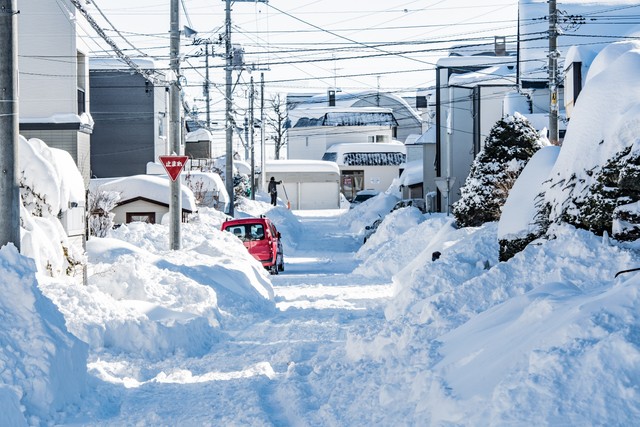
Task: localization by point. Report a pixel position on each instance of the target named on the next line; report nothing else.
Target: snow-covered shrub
(241, 187)
(509, 146)
(50, 184)
(595, 211)
(101, 203)
(609, 203)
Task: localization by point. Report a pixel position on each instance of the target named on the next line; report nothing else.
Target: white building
(367, 166)
(54, 79)
(470, 93)
(306, 184)
(316, 129)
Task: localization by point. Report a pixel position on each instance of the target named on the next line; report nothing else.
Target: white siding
(48, 58)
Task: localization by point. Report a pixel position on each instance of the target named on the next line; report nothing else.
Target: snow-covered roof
(366, 116)
(84, 119)
(412, 173)
(475, 61)
(345, 99)
(368, 147)
(367, 154)
(280, 166)
(118, 64)
(411, 139)
(428, 137)
(151, 187)
(496, 75)
(198, 135)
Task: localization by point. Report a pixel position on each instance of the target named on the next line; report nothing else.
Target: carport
(308, 184)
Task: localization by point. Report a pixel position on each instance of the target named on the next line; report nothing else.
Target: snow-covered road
(258, 373)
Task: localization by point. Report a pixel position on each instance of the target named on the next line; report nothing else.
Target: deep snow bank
(149, 301)
(43, 366)
(548, 337)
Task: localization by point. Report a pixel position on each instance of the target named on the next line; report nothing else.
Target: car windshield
(362, 197)
(247, 232)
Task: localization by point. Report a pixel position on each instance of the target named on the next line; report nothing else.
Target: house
(408, 120)
(53, 94)
(316, 129)
(207, 186)
(600, 22)
(370, 166)
(131, 114)
(306, 184)
(144, 198)
(470, 92)
(53, 79)
(421, 154)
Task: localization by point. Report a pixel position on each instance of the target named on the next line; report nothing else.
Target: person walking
(273, 190)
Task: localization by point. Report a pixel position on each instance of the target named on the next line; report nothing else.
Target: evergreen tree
(509, 146)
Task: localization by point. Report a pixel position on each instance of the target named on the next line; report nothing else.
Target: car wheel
(273, 269)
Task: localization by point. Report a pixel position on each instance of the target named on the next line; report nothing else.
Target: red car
(261, 239)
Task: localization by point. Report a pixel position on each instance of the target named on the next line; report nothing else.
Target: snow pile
(284, 220)
(392, 225)
(474, 342)
(393, 246)
(149, 186)
(43, 366)
(518, 213)
(49, 183)
(147, 300)
(604, 123)
(367, 212)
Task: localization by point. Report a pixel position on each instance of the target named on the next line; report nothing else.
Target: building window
(81, 102)
(148, 217)
(161, 126)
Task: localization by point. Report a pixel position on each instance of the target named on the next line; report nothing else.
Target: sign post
(174, 165)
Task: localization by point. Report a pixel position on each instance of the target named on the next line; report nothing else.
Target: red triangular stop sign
(173, 165)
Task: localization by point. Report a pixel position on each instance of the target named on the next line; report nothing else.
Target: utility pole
(228, 175)
(229, 99)
(175, 207)
(206, 85)
(9, 190)
(263, 156)
(253, 150)
(554, 135)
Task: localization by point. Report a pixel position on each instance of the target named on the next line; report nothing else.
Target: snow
(412, 173)
(380, 333)
(349, 334)
(606, 111)
(148, 186)
(299, 165)
(502, 75)
(519, 211)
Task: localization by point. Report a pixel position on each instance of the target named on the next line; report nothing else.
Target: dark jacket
(272, 186)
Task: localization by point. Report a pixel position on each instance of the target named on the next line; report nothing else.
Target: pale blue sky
(304, 43)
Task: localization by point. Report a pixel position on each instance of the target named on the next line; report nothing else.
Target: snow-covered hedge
(509, 146)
